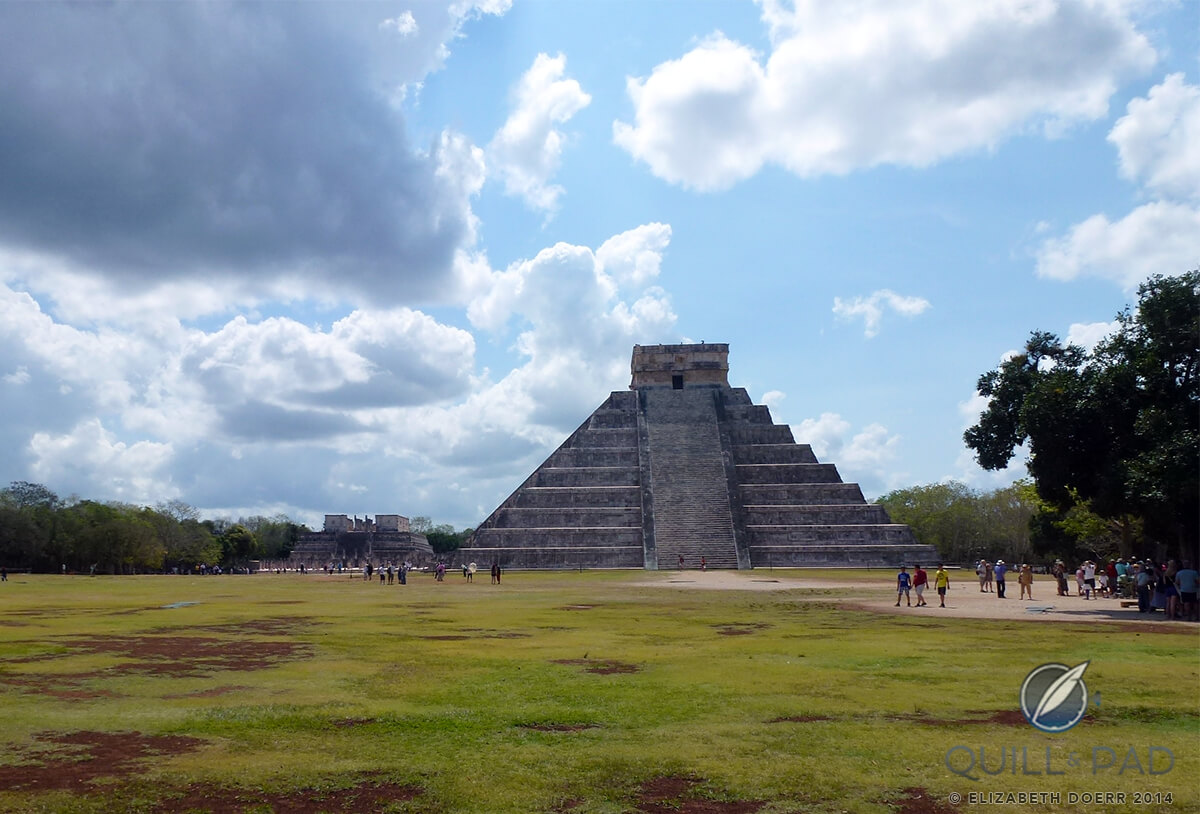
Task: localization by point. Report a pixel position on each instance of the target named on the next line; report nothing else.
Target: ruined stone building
(356, 541)
(683, 465)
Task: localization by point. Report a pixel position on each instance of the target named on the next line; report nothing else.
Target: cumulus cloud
(1088, 335)
(1158, 144)
(916, 83)
(1159, 139)
(866, 457)
(133, 472)
(148, 142)
(527, 150)
(1162, 237)
(871, 309)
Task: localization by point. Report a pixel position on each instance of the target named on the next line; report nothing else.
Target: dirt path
(964, 600)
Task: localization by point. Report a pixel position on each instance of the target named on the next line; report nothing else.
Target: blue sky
(383, 257)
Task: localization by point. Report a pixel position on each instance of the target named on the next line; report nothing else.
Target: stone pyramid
(683, 465)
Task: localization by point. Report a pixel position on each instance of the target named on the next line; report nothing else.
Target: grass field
(592, 692)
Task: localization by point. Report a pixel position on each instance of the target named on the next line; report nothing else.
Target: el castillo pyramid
(683, 465)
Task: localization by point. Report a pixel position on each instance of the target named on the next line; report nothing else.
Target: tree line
(41, 532)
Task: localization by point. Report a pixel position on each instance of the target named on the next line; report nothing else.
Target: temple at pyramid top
(681, 470)
(679, 366)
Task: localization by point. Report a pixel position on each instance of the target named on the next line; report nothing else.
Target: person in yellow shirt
(941, 581)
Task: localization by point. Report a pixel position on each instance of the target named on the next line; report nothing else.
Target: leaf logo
(1054, 697)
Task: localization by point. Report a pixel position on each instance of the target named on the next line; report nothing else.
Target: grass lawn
(570, 692)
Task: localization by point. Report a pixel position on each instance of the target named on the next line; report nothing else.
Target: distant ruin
(684, 468)
(355, 542)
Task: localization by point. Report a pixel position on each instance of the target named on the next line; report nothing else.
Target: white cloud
(915, 83)
(1159, 139)
(18, 377)
(91, 454)
(773, 399)
(403, 24)
(1088, 335)
(527, 149)
(867, 457)
(1156, 238)
(871, 308)
(635, 257)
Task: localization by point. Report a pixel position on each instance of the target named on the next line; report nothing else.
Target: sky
(362, 258)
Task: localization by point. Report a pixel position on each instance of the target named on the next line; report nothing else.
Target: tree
(238, 544)
(963, 524)
(1116, 431)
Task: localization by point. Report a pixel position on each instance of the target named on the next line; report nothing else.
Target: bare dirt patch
(551, 727)
(446, 637)
(577, 607)
(174, 656)
(73, 760)
(602, 667)
(740, 628)
(681, 795)
(799, 719)
(918, 800)
(287, 626)
(369, 794)
(62, 687)
(182, 656)
(1003, 717)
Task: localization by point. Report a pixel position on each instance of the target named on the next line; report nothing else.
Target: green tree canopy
(1116, 430)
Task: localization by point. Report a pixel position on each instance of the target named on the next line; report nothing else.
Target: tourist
(1060, 576)
(1186, 580)
(981, 572)
(920, 580)
(404, 572)
(1025, 579)
(1089, 578)
(704, 563)
(496, 571)
(941, 581)
(1000, 570)
(1144, 581)
(990, 573)
(440, 571)
(903, 583)
(1169, 591)
(3, 575)
(367, 572)
(680, 562)
(1102, 583)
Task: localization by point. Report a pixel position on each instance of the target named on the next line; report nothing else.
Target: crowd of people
(1169, 587)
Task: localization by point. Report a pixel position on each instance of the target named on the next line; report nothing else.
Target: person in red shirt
(920, 580)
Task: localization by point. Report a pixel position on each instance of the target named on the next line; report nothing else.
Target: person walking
(920, 580)
(903, 583)
(941, 581)
(1000, 570)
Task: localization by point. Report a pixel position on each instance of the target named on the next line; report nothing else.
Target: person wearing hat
(1000, 570)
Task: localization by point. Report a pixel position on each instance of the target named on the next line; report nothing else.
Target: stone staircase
(582, 508)
(692, 514)
(796, 511)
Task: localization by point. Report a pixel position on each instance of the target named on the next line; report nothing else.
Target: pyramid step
(774, 454)
(829, 515)
(787, 473)
(532, 497)
(587, 476)
(799, 494)
(581, 517)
